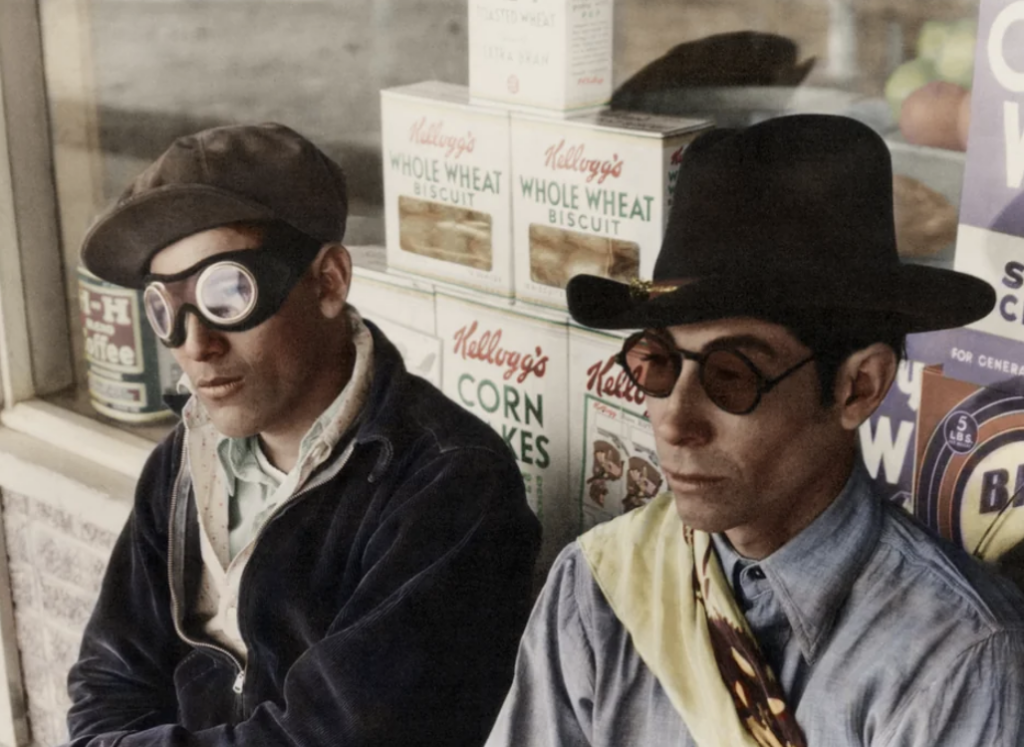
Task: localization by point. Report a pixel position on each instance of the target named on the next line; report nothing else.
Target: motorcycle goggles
(729, 378)
(231, 292)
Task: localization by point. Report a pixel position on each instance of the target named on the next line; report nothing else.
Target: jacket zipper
(240, 676)
(238, 686)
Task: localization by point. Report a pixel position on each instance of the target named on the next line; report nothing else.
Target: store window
(125, 77)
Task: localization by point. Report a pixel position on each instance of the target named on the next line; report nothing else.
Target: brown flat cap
(213, 178)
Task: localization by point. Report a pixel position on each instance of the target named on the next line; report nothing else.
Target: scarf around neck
(665, 584)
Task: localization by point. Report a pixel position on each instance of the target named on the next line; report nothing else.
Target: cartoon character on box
(643, 481)
(607, 467)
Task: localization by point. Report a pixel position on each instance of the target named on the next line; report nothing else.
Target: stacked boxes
(495, 195)
(591, 195)
(555, 56)
(614, 467)
(404, 310)
(510, 369)
(446, 187)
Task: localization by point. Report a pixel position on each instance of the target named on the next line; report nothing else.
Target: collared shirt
(254, 486)
(879, 633)
(223, 564)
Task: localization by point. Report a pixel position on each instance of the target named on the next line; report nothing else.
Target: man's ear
(862, 382)
(332, 272)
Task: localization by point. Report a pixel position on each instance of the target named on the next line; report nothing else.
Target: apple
(906, 79)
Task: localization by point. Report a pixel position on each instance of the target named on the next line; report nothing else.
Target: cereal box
(553, 55)
(385, 296)
(614, 466)
(420, 351)
(969, 484)
(447, 205)
(591, 194)
(510, 369)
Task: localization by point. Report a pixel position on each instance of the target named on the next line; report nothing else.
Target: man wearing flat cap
(770, 598)
(326, 550)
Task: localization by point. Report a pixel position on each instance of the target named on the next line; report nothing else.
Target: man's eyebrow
(742, 342)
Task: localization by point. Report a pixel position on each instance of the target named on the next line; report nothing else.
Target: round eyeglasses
(729, 378)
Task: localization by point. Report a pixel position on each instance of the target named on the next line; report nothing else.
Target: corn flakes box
(591, 194)
(551, 55)
(510, 369)
(614, 466)
(447, 204)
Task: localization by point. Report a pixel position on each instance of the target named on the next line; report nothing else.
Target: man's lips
(217, 387)
(692, 480)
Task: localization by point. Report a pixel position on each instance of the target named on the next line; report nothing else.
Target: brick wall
(56, 561)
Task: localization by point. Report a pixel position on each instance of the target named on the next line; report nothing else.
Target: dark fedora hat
(790, 214)
(212, 178)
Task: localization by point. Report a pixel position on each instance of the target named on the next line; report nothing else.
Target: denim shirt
(880, 633)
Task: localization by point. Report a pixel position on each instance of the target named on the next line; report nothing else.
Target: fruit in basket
(906, 79)
(931, 39)
(955, 60)
(931, 114)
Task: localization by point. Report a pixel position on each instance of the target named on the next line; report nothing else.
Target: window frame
(38, 250)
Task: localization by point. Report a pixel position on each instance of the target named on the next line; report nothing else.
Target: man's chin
(232, 424)
(701, 515)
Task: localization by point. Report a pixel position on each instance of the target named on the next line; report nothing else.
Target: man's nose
(201, 342)
(685, 420)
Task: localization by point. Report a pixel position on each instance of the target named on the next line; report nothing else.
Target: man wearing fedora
(770, 598)
(326, 550)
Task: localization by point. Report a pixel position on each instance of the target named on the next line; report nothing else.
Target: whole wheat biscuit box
(510, 369)
(591, 194)
(447, 204)
(552, 55)
(612, 456)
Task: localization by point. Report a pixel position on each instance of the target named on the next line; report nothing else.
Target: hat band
(644, 290)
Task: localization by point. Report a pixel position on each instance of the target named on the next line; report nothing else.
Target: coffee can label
(127, 370)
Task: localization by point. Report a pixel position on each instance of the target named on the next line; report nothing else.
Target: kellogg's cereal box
(614, 466)
(510, 369)
(385, 296)
(591, 194)
(553, 55)
(447, 205)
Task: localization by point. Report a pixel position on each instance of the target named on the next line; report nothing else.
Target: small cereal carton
(384, 295)
(591, 194)
(547, 55)
(614, 466)
(447, 204)
(510, 369)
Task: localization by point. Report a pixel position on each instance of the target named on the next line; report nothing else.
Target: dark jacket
(381, 606)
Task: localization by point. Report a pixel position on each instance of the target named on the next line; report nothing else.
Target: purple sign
(992, 195)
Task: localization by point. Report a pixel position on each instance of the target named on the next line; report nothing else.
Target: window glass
(125, 77)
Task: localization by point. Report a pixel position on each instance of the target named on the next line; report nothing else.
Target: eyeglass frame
(680, 356)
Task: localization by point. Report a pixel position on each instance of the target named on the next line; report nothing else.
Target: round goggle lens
(158, 311)
(226, 292)
(729, 381)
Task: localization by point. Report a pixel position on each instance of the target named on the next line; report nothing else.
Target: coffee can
(128, 369)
